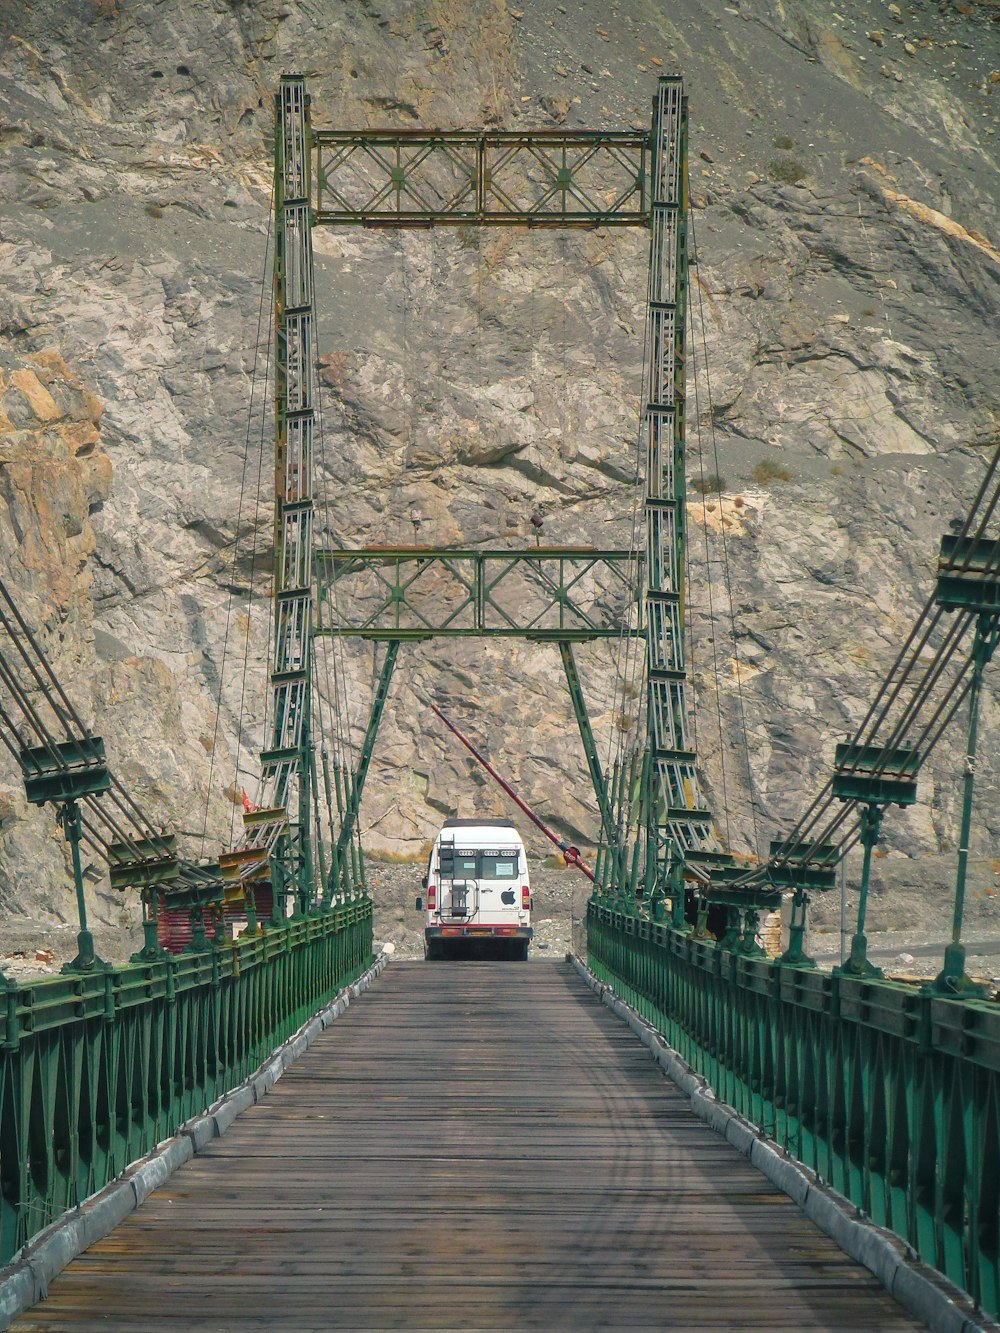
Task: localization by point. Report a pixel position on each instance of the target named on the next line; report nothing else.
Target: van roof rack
(478, 823)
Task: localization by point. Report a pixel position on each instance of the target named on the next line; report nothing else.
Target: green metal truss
(397, 178)
(567, 594)
(560, 595)
(560, 178)
(679, 825)
(286, 764)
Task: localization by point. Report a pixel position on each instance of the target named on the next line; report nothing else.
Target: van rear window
(487, 864)
(498, 865)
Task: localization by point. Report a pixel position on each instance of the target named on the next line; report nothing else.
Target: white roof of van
(488, 833)
(478, 823)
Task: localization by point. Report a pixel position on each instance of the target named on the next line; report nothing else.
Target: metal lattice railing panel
(885, 1090)
(76, 1050)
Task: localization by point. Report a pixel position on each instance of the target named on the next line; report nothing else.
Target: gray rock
(848, 320)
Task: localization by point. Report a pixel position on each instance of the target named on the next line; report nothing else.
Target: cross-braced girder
(434, 177)
(568, 593)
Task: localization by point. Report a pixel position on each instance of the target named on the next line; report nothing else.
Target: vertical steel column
(287, 764)
(678, 821)
(586, 735)
(352, 802)
(86, 959)
(953, 978)
(857, 964)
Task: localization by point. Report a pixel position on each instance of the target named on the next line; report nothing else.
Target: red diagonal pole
(571, 854)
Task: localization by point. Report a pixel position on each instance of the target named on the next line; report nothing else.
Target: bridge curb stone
(26, 1281)
(920, 1289)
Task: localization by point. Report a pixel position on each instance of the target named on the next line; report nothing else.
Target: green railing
(889, 1092)
(97, 1068)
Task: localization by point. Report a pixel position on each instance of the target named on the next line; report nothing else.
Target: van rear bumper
(477, 932)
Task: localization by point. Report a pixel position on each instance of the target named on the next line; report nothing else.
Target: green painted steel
(676, 817)
(889, 1092)
(582, 714)
(419, 177)
(559, 593)
(287, 760)
(97, 1068)
(352, 803)
(541, 178)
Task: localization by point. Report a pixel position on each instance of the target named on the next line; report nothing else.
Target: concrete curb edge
(921, 1290)
(26, 1281)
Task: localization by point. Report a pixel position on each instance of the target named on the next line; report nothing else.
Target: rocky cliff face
(845, 295)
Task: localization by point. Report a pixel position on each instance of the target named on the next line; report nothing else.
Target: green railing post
(199, 940)
(953, 979)
(633, 877)
(857, 965)
(733, 937)
(748, 945)
(676, 889)
(86, 959)
(250, 902)
(609, 888)
(795, 955)
(151, 951)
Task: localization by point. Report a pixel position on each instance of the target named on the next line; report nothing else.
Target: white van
(477, 889)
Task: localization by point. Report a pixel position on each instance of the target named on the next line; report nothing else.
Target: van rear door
(499, 875)
(459, 894)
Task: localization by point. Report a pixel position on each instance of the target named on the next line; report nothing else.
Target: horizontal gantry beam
(550, 593)
(540, 178)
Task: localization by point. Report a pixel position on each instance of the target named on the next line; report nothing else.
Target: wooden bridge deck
(472, 1146)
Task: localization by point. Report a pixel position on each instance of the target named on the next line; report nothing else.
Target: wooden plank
(472, 1146)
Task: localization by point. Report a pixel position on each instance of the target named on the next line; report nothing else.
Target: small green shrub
(784, 143)
(708, 484)
(787, 170)
(767, 470)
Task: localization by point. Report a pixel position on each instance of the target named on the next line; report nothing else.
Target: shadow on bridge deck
(472, 1146)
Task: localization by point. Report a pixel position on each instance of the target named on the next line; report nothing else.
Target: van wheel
(432, 951)
(521, 951)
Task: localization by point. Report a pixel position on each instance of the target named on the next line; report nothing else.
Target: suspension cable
(239, 520)
(907, 664)
(713, 638)
(253, 559)
(727, 572)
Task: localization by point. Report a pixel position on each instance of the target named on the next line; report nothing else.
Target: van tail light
(525, 898)
(431, 897)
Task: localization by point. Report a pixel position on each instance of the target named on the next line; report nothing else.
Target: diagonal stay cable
(925, 685)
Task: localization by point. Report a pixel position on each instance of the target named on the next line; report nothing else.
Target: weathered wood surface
(472, 1146)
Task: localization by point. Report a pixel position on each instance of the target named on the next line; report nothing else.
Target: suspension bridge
(469, 1145)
